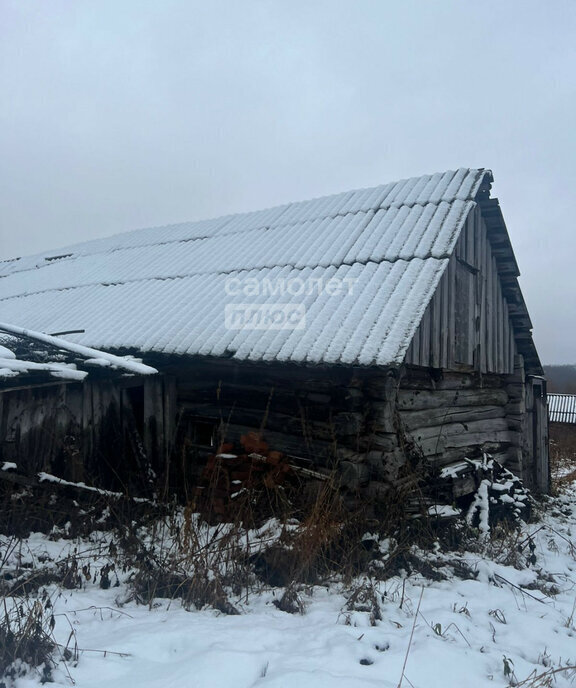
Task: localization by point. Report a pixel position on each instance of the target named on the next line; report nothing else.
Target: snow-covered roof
(562, 408)
(359, 267)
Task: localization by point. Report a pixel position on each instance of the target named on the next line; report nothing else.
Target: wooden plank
(485, 429)
(68, 429)
(444, 322)
(482, 291)
(478, 343)
(87, 423)
(513, 351)
(497, 323)
(340, 424)
(505, 339)
(425, 343)
(497, 317)
(154, 436)
(31, 384)
(466, 443)
(461, 314)
(445, 416)
(471, 328)
(484, 294)
(422, 400)
(451, 310)
(60, 484)
(500, 329)
(472, 279)
(454, 380)
(435, 328)
(170, 414)
(493, 315)
(416, 347)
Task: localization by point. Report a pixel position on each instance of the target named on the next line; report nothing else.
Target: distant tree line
(561, 378)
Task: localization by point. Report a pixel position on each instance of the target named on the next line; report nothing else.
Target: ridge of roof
(461, 184)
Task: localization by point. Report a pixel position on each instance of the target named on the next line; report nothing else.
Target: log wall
(369, 424)
(449, 416)
(459, 415)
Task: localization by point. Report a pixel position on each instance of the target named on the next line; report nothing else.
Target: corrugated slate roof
(167, 289)
(562, 408)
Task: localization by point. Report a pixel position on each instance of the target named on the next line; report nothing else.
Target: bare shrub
(364, 597)
(182, 557)
(26, 641)
(290, 602)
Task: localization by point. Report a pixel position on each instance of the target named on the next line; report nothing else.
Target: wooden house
(356, 331)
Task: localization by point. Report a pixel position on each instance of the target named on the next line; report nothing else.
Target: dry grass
(562, 455)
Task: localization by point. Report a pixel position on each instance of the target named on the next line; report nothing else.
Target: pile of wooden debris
(232, 481)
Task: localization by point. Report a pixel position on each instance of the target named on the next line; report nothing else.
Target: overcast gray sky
(118, 114)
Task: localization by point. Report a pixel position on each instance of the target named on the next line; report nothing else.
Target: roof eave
(509, 272)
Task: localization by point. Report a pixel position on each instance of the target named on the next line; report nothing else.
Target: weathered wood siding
(536, 422)
(467, 323)
(40, 428)
(101, 431)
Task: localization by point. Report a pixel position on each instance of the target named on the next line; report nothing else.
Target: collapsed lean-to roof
(166, 289)
(32, 355)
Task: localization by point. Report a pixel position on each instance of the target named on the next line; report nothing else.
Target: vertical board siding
(467, 322)
(497, 334)
(512, 347)
(90, 431)
(471, 259)
(451, 310)
(483, 295)
(444, 323)
(486, 268)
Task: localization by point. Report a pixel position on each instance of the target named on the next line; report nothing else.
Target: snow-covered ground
(505, 625)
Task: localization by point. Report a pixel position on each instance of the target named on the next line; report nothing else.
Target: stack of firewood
(232, 480)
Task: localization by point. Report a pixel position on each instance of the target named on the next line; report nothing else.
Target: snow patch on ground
(502, 625)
